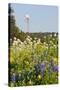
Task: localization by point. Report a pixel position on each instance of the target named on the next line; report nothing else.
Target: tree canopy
(14, 31)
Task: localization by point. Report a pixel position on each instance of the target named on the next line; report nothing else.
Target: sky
(43, 18)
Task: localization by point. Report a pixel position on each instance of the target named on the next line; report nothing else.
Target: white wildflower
(28, 37)
(54, 45)
(50, 35)
(15, 43)
(44, 37)
(44, 43)
(34, 41)
(14, 38)
(55, 35)
(35, 38)
(51, 42)
(35, 45)
(22, 43)
(38, 41)
(10, 39)
(25, 42)
(18, 40)
(30, 43)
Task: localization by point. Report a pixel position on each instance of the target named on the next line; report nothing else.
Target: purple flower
(45, 62)
(19, 77)
(13, 77)
(42, 68)
(52, 68)
(55, 68)
(51, 65)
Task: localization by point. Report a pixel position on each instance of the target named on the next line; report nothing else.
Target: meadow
(33, 62)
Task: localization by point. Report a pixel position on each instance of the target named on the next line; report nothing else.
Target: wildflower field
(32, 62)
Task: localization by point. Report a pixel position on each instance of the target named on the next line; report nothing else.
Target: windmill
(26, 19)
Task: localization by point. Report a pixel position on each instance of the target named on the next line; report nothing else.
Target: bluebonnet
(45, 62)
(19, 77)
(55, 68)
(52, 67)
(13, 77)
(42, 68)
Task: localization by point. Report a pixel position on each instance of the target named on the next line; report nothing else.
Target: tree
(12, 29)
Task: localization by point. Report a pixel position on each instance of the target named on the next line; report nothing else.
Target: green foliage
(24, 55)
(14, 31)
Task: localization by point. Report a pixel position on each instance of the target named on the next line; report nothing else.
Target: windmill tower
(26, 19)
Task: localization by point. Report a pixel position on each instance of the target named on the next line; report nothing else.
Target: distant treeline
(22, 36)
(42, 35)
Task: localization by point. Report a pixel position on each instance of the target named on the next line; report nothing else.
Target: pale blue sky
(42, 18)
